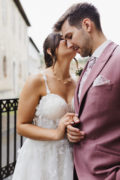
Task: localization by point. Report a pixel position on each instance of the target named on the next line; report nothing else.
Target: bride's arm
(30, 96)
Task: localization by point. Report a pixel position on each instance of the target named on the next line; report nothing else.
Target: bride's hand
(64, 121)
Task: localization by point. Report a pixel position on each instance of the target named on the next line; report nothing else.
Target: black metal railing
(9, 140)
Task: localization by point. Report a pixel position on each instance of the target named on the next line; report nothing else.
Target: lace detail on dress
(49, 115)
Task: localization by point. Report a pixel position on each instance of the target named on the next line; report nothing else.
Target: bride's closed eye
(65, 41)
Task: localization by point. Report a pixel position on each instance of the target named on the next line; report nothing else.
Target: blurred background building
(19, 56)
(34, 58)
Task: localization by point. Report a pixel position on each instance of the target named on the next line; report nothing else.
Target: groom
(97, 97)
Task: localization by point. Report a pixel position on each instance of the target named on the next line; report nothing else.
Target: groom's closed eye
(68, 36)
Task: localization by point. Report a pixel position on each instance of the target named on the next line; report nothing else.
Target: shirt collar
(100, 49)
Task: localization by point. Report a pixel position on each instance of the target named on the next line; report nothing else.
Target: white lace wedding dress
(46, 160)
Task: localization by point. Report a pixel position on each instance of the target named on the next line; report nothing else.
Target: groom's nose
(69, 44)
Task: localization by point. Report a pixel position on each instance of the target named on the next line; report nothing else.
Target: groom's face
(78, 39)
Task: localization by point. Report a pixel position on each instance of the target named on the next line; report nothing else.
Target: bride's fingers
(67, 123)
(76, 119)
(71, 114)
(70, 119)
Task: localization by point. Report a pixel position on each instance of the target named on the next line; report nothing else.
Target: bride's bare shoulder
(35, 80)
(34, 83)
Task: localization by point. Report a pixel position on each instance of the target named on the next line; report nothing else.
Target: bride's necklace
(68, 80)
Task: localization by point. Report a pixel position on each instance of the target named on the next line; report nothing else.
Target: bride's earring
(76, 61)
(78, 70)
(53, 58)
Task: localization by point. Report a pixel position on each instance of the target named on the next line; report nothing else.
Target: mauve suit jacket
(97, 157)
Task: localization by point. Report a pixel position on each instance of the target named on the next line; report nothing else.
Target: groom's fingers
(74, 138)
(74, 131)
(70, 128)
(74, 134)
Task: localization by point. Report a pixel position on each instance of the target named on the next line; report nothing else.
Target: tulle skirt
(44, 160)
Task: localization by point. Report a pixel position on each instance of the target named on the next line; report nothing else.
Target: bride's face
(63, 50)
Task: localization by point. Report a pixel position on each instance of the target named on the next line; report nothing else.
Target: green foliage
(78, 71)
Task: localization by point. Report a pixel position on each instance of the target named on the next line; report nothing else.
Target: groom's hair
(76, 13)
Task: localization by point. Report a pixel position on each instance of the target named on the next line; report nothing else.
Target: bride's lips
(76, 48)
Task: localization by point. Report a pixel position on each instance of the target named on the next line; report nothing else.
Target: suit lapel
(76, 100)
(97, 68)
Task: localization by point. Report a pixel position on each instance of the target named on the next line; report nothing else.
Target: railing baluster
(0, 137)
(8, 136)
(7, 106)
(15, 137)
(21, 141)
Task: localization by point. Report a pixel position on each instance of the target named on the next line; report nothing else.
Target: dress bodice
(51, 108)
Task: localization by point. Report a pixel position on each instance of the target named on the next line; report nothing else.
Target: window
(4, 67)
(20, 71)
(4, 12)
(20, 28)
(13, 18)
(14, 77)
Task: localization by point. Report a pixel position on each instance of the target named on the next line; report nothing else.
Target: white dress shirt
(91, 62)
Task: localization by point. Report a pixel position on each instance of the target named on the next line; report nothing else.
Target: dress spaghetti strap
(46, 85)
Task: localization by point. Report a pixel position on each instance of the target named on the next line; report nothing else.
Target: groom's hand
(74, 134)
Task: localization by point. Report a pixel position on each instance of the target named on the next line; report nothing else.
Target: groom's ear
(87, 24)
(49, 51)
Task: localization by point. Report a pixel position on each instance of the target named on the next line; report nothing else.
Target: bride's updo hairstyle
(51, 43)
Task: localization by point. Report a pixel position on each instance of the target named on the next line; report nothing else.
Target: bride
(45, 109)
